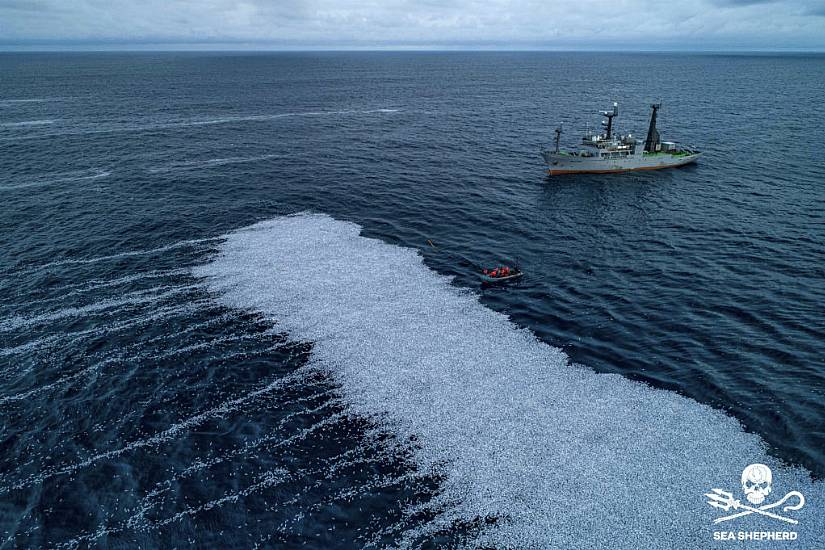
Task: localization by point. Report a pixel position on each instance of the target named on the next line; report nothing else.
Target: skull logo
(756, 482)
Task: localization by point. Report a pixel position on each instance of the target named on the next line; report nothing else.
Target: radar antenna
(609, 123)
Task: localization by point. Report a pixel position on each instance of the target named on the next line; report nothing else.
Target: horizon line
(183, 48)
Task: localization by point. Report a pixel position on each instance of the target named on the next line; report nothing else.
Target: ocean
(240, 304)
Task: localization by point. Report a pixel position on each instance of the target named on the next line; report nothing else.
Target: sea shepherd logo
(757, 484)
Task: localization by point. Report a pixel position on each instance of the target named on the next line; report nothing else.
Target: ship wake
(537, 451)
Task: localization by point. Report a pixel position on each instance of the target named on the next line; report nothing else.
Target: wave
(197, 164)
(131, 299)
(273, 441)
(102, 128)
(124, 354)
(57, 383)
(4, 102)
(168, 434)
(558, 455)
(65, 177)
(265, 480)
(121, 255)
(77, 289)
(68, 339)
(254, 118)
(25, 123)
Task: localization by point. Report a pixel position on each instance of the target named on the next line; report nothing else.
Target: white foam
(563, 456)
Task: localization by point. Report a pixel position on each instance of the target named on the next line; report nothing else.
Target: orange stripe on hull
(561, 172)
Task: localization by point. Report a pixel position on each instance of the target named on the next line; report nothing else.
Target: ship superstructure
(602, 153)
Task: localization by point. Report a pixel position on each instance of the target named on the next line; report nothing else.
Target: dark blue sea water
(140, 410)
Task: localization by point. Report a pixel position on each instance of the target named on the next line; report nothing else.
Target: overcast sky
(464, 24)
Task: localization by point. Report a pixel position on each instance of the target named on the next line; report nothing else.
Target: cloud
(714, 24)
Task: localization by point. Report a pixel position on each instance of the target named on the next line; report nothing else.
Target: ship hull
(569, 164)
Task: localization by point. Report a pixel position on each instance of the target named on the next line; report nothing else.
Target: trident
(725, 501)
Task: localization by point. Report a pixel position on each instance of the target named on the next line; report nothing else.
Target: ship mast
(558, 136)
(652, 141)
(609, 123)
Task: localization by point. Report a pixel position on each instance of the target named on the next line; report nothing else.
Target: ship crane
(558, 131)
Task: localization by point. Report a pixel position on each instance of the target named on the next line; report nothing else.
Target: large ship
(606, 153)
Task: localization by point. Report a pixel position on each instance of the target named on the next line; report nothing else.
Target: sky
(726, 25)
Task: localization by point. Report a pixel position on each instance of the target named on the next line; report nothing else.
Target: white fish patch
(563, 457)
